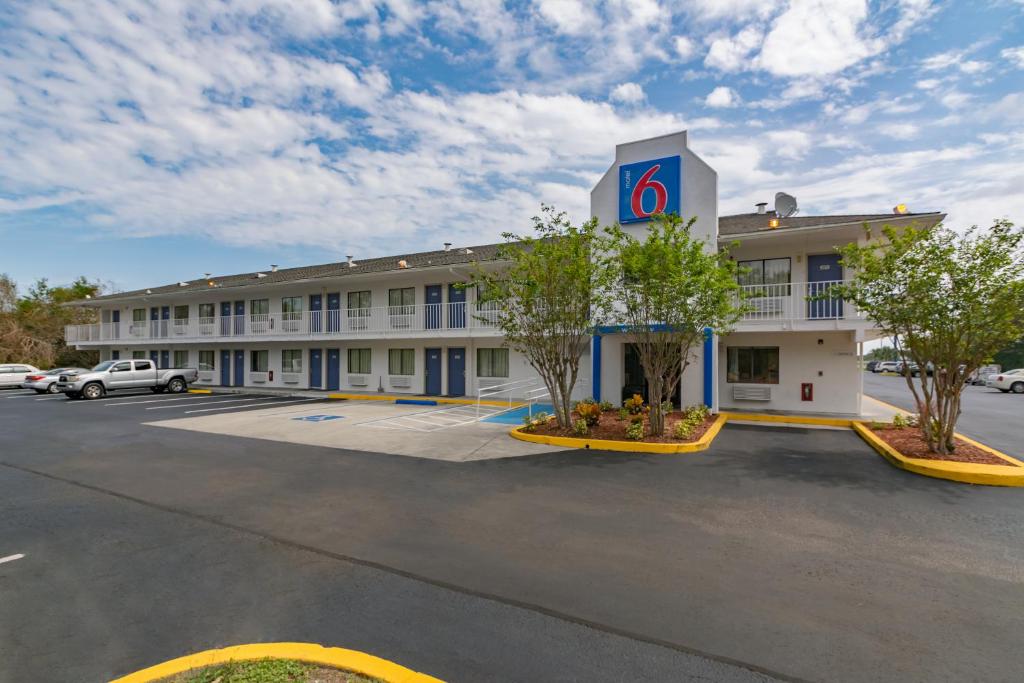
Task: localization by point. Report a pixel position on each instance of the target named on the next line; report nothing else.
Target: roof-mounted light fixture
(900, 209)
(773, 222)
(403, 264)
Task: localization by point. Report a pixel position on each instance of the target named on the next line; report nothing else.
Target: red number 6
(645, 183)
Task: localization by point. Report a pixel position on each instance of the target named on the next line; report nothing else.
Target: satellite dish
(785, 204)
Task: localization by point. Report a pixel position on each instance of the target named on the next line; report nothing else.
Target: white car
(887, 366)
(13, 374)
(46, 382)
(1010, 380)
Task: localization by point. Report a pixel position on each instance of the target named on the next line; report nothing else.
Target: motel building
(404, 323)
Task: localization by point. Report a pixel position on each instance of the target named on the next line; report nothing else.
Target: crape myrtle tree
(950, 300)
(547, 299)
(669, 287)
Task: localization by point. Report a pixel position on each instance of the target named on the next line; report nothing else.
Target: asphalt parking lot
(988, 415)
(794, 553)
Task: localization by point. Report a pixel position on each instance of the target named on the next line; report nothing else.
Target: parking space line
(280, 403)
(155, 400)
(49, 398)
(208, 400)
(11, 558)
(25, 395)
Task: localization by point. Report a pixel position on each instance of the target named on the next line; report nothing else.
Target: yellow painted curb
(624, 446)
(336, 657)
(200, 391)
(968, 473)
(792, 419)
(418, 397)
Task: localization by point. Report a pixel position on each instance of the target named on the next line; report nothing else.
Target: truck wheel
(1017, 387)
(92, 391)
(52, 388)
(177, 386)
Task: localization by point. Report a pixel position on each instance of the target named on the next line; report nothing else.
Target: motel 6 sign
(649, 187)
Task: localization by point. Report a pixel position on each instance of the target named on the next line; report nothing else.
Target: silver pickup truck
(111, 375)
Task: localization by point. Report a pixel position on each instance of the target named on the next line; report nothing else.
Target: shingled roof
(747, 223)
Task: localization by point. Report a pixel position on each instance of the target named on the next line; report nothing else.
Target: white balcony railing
(355, 322)
(795, 301)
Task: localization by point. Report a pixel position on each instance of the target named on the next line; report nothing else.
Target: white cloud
(570, 17)
(736, 10)
(928, 83)
(789, 144)
(954, 99)
(899, 131)
(1014, 55)
(722, 96)
(955, 58)
(816, 38)
(627, 93)
(685, 48)
(732, 53)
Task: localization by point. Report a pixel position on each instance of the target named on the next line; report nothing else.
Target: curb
(700, 444)
(964, 472)
(792, 419)
(336, 657)
(200, 391)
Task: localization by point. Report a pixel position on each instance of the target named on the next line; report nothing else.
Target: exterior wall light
(899, 209)
(773, 222)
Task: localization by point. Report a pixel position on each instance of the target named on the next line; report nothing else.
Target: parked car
(1011, 380)
(870, 366)
(981, 375)
(112, 375)
(886, 366)
(903, 367)
(13, 374)
(45, 382)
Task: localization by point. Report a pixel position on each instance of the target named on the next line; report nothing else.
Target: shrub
(623, 414)
(634, 405)
(899, 421)
(589, 412)
(606, 405)
(580, 427)
(529, 424)
(636, 419)
(682, 430)
(635, 431)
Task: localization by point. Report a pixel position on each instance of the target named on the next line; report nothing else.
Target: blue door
(225, 367)
(115, 355)
(225, 321)
(456, 306)
(239, 325)
(165, 359)
(432, 317)
(115, 318)
(316, 312)
(154, 322)
(165, 321)
(822, 271)
(239, 368)
(333, 311)
(456, 372)
(433, 367)
(155, 357)
(333, 369)
(316, 367)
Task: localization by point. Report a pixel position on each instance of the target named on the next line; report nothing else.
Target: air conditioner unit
(400, 382)
(746, 393)
(358, 380)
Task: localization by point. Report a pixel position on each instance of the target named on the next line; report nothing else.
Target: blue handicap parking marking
(318, 418)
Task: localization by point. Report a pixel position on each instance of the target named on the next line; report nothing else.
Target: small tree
(547, 300)
(951, 301)
(668, 288)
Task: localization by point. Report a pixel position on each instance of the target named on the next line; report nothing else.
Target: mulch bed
(611, 428)
(911, 443)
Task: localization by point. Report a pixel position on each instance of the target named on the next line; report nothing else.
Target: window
(180, 359)
(402, 299)
(143, 365)
(401, 361)
(753, 364)
(291, 306)
(359, 361)
(492, 362)
(138, 315)
(207, 360)
(358, 302)
(259, 307)
(138, 354)
(774, 273)
(122, 367)
(259, 361)
(206, 310)
(291, 360)
(181, 312)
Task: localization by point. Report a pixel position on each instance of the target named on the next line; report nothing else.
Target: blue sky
(148, 142)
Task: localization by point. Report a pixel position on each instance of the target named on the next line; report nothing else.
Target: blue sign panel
(649, 187)
(318, 418)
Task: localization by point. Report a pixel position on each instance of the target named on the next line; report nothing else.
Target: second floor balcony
(451, 319)
(789, 305)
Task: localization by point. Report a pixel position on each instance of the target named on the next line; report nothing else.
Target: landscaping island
(268, 671)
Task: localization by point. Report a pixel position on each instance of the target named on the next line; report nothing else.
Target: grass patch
(268, 671)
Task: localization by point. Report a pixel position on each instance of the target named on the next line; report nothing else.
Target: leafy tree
(882, 353)
(668, 288)
(951, 301)
(1012, 356)
(547, 300)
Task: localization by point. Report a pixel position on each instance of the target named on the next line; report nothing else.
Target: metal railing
(383, 320)
(795, 301)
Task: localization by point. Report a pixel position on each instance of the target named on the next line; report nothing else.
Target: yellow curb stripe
(624, 446)
(418, 397)
(965, 472)
(200, 391)
(792, 419)
(339, 658)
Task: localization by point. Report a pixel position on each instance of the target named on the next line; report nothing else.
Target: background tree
(32, 325)
(950, 300)
(547, 301)
(668, 288)
(882, 353)
(1010, 357)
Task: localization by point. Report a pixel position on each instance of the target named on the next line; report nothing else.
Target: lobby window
(180, 359)
(401, 361)
(291, 360)
(753, 364)
(492, 362)
(774, 273)
(207, 360)
(359, 361)
(259, 361)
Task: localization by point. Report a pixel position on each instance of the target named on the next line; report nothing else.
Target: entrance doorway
(633, 380)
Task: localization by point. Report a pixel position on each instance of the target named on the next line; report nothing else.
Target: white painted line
(21, 395)
(11, 558)
(280, 403)
(208, 400)
(155, 400)
(50, 398)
